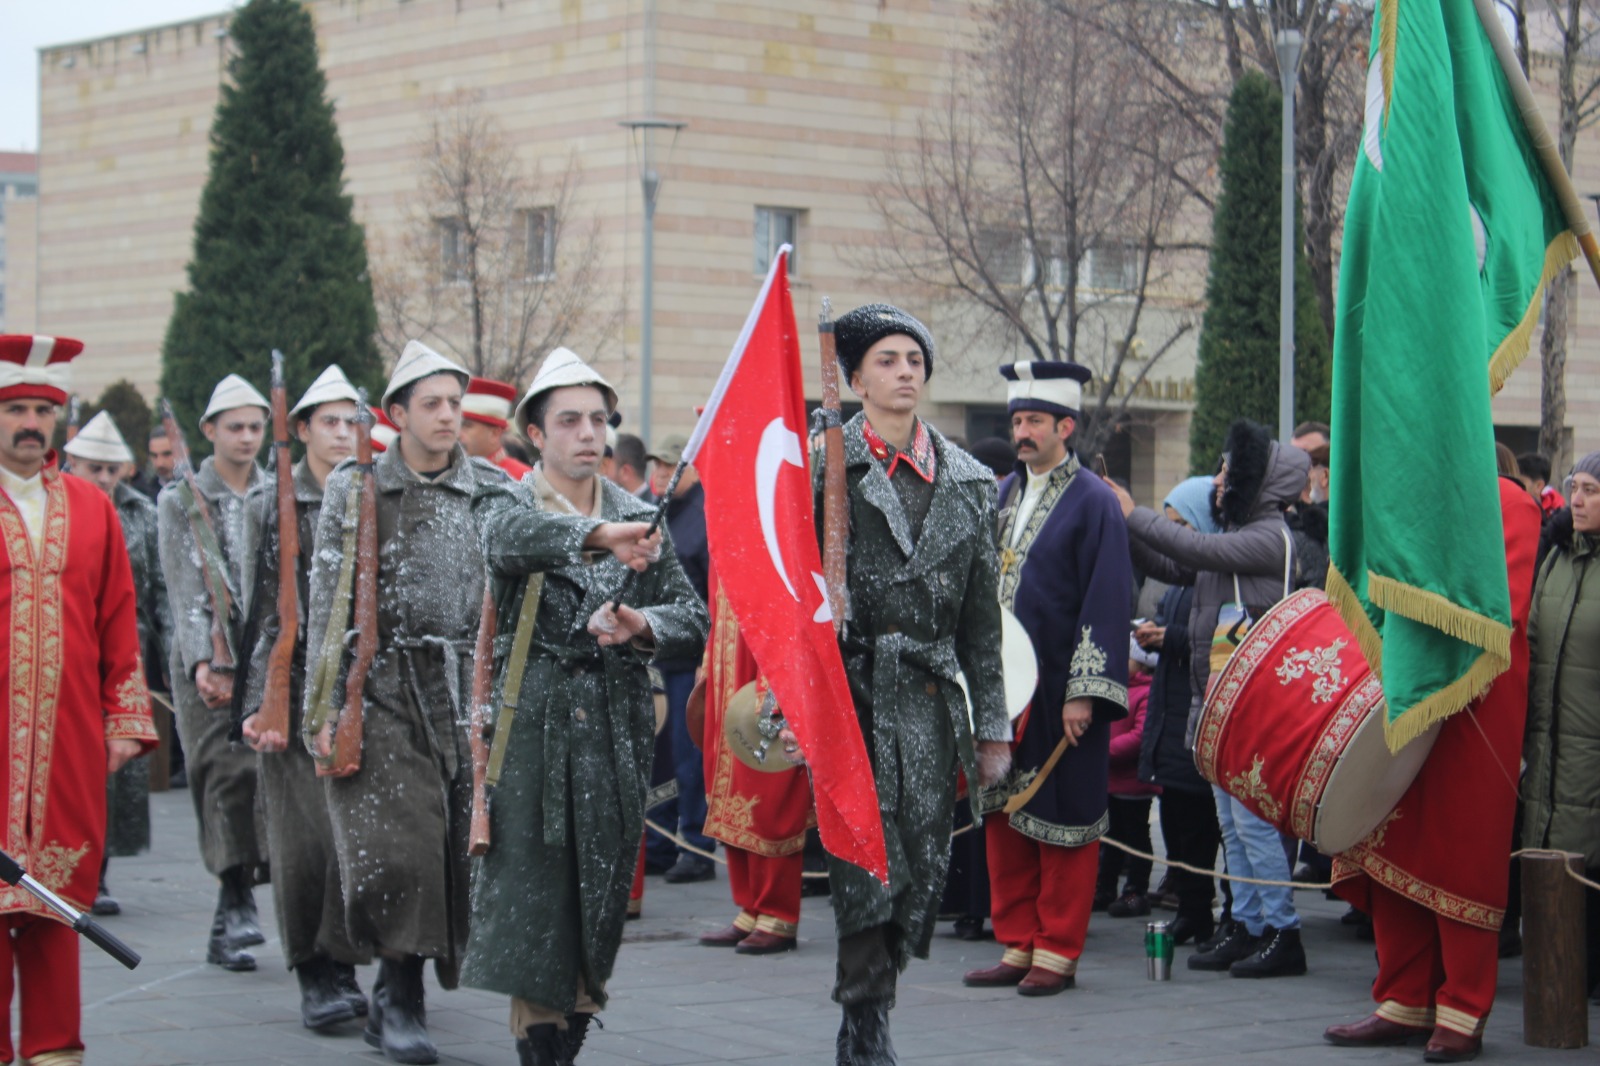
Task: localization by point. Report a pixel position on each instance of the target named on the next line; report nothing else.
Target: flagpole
(1544, 144)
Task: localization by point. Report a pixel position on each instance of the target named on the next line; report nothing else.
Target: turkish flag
(750, 451)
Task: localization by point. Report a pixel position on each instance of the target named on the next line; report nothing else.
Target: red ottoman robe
(72, 681)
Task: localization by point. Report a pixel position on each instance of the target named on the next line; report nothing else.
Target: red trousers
(1432, 970)
(766, 889)
(44, 953)
(1040, 896)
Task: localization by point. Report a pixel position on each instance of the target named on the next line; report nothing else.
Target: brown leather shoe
(1043, 982)
(1447, 1045)
(724, 938)
(998, 976)
(762, 943)
(1372, 1031)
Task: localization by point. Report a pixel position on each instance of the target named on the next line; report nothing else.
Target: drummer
(1065, 572)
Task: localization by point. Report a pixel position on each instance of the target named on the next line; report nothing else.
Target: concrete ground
(674, 1001)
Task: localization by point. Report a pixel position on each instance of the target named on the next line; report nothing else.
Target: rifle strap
(324, 701)
(515, 668)
(212, 568)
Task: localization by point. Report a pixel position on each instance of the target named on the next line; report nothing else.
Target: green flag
(1451, 232)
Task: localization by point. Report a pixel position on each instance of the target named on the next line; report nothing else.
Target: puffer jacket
(1264, 476)
(1561, 788)
(1163, 758)
(1126, 736)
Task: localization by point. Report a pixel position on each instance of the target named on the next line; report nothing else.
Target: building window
(538, 227)
(1111, 268)
(776, 227)
(452, 248)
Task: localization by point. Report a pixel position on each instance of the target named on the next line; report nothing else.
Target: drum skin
(1293, 728)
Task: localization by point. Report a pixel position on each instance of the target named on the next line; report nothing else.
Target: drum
(1293, 728)
(1019, 666)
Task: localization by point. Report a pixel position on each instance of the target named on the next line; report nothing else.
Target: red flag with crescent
(750, 451)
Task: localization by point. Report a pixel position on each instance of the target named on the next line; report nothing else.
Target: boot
(221, 953)
(1280, 955)
(572, 1039)
(1219, 933)
(1130, 904)
(869, 1043)
(105, 905)
(321, 1003)
(1237, 944)
(541, 1046)
(401, 1019)
(237, 905)
(841, 1044)
(344, 983)
(374, 1030)
(1199, 927)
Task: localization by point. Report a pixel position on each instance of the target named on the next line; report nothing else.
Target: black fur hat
(856, 331)
(1248, 452)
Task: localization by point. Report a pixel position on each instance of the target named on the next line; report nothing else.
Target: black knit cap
(857, 331)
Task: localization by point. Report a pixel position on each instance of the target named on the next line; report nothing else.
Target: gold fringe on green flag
(1452, 232)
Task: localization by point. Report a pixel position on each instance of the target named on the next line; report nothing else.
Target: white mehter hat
(99, 442)
(233, 392)
(563, 368)
(418, 361)
(331, 385)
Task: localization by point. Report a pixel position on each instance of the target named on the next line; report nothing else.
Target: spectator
(1561, 788)
(1536, 469)
(1187, 810)
(1129, 800)
(996, 454)
(1258, 479)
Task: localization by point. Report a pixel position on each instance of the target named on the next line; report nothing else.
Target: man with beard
(100, 455)
(1065, 571)
(400, 820)
(551, 895)
(77, 706)
(201, 525)
(923, 583)
(305, 873)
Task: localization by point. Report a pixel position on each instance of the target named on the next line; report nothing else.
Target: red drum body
(1293, 728)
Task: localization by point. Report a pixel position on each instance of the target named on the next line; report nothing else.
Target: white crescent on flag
(779, 445)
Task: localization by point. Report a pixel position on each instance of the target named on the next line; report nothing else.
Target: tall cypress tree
(279, 261)
(1237, 375)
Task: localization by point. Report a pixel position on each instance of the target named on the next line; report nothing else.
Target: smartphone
(1100, 467)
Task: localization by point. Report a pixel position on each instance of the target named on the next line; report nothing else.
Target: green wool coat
(919, 613)
(550, 898)
(1561, 789)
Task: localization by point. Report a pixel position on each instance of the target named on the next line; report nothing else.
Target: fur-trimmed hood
(1263, 475)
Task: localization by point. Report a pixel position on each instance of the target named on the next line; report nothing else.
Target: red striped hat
(34, 367)
(489, 401)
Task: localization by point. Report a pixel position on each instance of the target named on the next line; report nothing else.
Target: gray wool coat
(550, 898)
(1254, 547)
(400, 822)
(222, 775)
(919, 612)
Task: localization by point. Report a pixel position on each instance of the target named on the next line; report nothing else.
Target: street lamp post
(1288, 46)
(644, 131)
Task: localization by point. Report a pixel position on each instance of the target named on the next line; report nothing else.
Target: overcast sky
(32, 24)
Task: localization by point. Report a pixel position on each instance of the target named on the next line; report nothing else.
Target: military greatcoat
(128, 790)
(922, 608)
(400, 822)
(551, 896)
(222, 775)
(305, 870)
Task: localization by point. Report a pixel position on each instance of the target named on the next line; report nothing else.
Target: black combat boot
(344, 983)
(1237, 944)
(841, 1054)
(541, 1047)
(869, 1043)
(572, 1036)
(321, 1003)
(1279, 954)
(221, 953)
(237, 905)
(402, 1022)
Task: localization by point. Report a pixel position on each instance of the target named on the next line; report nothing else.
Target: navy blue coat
(1072, 597)
(1164, 756)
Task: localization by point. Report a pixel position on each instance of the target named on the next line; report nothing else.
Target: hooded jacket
(1264, 477)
